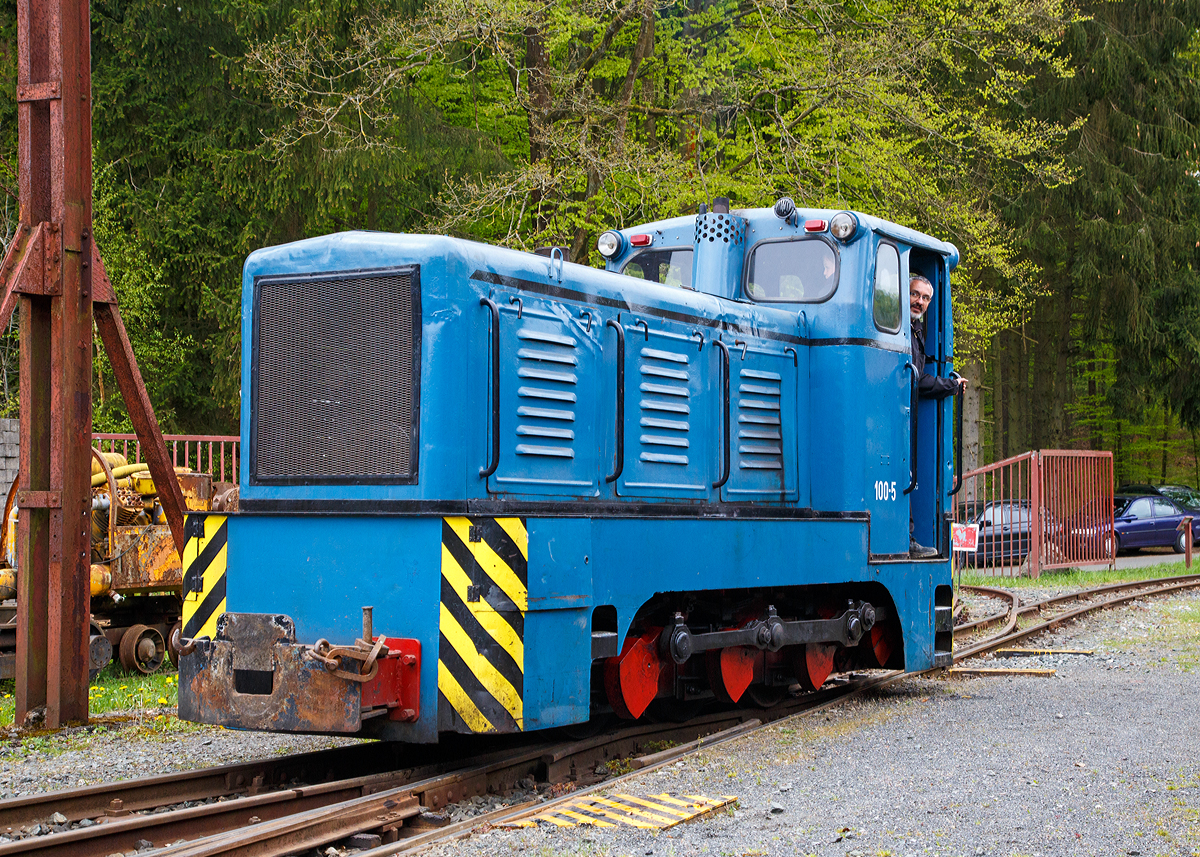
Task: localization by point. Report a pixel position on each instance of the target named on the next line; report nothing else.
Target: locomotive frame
(617, 494)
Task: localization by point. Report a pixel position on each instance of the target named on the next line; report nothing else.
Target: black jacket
(929, 386)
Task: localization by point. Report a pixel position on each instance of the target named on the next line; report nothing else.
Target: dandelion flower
(162, 700)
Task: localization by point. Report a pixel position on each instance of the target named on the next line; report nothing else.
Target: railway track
(285, 806)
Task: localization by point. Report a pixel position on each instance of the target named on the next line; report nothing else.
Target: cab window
(792, 271)
(671, 267)
(887, 288)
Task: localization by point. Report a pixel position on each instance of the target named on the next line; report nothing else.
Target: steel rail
(207, 783)
(1037, 606)
(986, 621)
(1175, 584)
(296, 818)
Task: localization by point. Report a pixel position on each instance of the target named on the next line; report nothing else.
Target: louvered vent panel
(665, 407)
(759, 440)
(334, 376)
(546, 395)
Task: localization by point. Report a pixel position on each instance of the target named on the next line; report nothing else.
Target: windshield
(804, 270)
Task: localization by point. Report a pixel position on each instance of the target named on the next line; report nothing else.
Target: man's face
(919, 296)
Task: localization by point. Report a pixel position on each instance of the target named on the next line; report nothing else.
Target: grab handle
(958, 429)
(494, 461)
(725, 412)
(616, 474)
(912, 454)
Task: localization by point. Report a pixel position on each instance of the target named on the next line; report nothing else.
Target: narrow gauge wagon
(566, 491)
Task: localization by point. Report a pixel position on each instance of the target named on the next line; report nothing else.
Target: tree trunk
(536, 63)
(1166, 439)
(1095, 432)
(972, 405)
(999, 408)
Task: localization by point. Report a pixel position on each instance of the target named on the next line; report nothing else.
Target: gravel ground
(1098, 759)
(122, 747)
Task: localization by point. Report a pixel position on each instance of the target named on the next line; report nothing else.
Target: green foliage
(1117, 247)
(1054, 143)
(616, 113)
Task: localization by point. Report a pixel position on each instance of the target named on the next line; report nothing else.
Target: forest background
(1054, 141)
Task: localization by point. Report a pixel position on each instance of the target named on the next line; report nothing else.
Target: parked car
(1150, 520)
(1131, 488)
(1005, 530)
(1183, 495)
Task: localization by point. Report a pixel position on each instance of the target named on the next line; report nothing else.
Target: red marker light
(639, 240)
(814, 225)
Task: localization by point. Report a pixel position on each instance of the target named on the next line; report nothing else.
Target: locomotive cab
(491, 491)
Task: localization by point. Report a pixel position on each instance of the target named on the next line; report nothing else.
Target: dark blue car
(1151, 520)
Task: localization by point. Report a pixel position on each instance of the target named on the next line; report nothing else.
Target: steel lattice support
(53, 271)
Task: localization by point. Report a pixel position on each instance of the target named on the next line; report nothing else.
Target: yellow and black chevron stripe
(204, 561)
(481, 656)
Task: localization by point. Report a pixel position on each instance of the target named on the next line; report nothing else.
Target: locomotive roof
(766, 216)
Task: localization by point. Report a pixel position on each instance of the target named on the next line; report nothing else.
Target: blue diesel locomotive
(486, 491)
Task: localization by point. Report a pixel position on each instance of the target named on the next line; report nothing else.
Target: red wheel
(631, 678)
(814, 664)
(880, 643)
(730, 671)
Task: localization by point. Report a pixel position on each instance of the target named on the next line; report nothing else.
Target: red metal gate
(1050, 508)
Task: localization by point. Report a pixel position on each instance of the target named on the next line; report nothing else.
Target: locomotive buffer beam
(770, 633)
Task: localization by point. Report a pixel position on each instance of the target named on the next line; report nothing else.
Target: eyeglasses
(917, 296)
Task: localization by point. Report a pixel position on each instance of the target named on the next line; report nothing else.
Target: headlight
(842, 225)
(609, 244)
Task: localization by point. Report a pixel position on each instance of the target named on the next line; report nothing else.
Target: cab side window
(671, 267)
(887, 288)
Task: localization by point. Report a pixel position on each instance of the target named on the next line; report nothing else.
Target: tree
(1117, 247)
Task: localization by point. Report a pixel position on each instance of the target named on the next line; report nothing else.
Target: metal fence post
(1035, 515)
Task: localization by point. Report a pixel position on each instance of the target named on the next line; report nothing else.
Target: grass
(1074, 578)
(113, 690)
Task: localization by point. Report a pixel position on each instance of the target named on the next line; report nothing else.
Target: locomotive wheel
(731, 671)
(173, 641)
(880, 643)
(631, 678)
(99, 651)
(142, 649)
(814, 664)
(766, 696)
(668, 710)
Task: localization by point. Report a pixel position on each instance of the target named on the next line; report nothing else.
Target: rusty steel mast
(53, 271)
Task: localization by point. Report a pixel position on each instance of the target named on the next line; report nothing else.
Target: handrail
(182, 448)
(958, 430)
(912, 456)
(725, 413)
(620, 465)
(494, 462)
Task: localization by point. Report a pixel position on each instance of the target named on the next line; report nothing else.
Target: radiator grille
(335, 390)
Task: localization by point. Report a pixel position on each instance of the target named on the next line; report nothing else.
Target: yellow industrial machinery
(136, 577)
